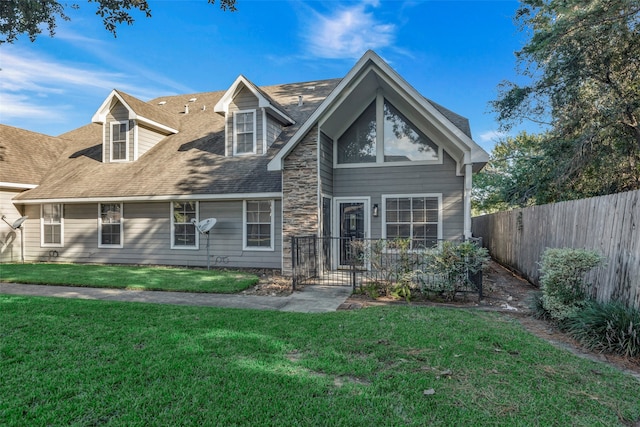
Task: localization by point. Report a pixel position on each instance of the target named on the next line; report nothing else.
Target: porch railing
(357, 262)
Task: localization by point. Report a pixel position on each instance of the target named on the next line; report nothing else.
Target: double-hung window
(244, 132)
(119, 141)
(110, 225)
(184, 235)
(258, 225)
(51, 225)
(416, 218)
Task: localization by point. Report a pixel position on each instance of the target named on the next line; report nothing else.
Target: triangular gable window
(358, 143)
(395, 139)
(403, 141)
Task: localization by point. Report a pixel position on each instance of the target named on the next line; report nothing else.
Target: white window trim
(264, 131)
(235, 132)
(399, 196)
(100, 245)
(126, 156)
(42, 224)
(173, 234)
(244, 227)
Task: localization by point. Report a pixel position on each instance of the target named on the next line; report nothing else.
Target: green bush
(561, 280)
(537, 307)
(395, 274)
(608, 327)
(444, 269)
(453, 264)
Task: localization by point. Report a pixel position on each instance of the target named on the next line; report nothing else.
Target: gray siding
(117, 114)
(273, 130)
(9, 238)
(326, 165)
(245, 100)
(389, 180)
(147, 237)
(147, 138)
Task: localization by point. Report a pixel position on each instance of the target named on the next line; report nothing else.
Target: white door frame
(366, 200)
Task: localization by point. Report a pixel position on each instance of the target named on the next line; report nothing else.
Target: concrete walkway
(312, 299)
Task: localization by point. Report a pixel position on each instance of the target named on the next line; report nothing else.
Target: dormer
(253, 120)
(131, 127)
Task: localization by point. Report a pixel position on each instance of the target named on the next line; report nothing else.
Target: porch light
(375, 210)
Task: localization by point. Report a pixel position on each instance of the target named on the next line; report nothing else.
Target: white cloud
(36, 86)
(18, 106)
(98, 50)
(347, 32)
(32, 73)
(492, 136)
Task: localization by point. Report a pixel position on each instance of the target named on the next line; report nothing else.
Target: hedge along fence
(607, 224)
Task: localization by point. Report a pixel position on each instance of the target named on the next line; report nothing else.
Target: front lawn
(128, 277)
(80, 362)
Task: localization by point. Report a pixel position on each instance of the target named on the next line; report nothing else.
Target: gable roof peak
(371, 61)
(264, 100)
(138, 110)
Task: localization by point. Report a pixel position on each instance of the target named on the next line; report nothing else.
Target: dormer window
(119, 141)
(244, 132)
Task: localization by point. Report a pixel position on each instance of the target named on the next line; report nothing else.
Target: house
(25, 158)
(361, 156)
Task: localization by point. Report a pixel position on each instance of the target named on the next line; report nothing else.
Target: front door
(352, 225)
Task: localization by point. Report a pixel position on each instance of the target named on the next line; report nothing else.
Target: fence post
(293, 262)
(315, 256)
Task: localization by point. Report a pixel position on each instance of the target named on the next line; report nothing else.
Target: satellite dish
(19, 222)
(205, 225)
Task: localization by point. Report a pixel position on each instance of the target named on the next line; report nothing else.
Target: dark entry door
(352, 227)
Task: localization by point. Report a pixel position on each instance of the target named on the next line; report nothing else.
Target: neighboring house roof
(190, 162)
(453, 127)
(26, 157)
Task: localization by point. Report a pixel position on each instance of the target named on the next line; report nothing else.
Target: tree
(584, 70)
(30, 16)
(519, 173)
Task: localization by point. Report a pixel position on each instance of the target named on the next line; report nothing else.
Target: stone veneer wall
(299, 194)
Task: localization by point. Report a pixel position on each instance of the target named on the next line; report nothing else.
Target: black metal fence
(362, 262)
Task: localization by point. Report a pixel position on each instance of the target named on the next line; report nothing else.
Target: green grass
(80, 362)
(128, 277)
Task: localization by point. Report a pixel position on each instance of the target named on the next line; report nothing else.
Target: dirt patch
(271, 283)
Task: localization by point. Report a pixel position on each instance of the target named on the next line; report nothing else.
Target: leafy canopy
(31, 16)
(583, 71)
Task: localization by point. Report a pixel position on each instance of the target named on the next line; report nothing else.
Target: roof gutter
(108, 199)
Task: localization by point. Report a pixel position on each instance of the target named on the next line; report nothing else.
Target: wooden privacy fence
(607, 224)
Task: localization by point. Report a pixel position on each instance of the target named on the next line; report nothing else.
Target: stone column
(299, 194)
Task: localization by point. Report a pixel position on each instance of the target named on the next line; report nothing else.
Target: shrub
(453, 264)
(608, 327)
(536, 306)
(561, 280)
(395, 272)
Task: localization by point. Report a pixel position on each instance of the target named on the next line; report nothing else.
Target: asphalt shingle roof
(191, 162)
(25, 156)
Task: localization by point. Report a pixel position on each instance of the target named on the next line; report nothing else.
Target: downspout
(22, 243)
(468, 179)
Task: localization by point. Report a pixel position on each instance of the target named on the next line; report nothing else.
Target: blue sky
(453, 52)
